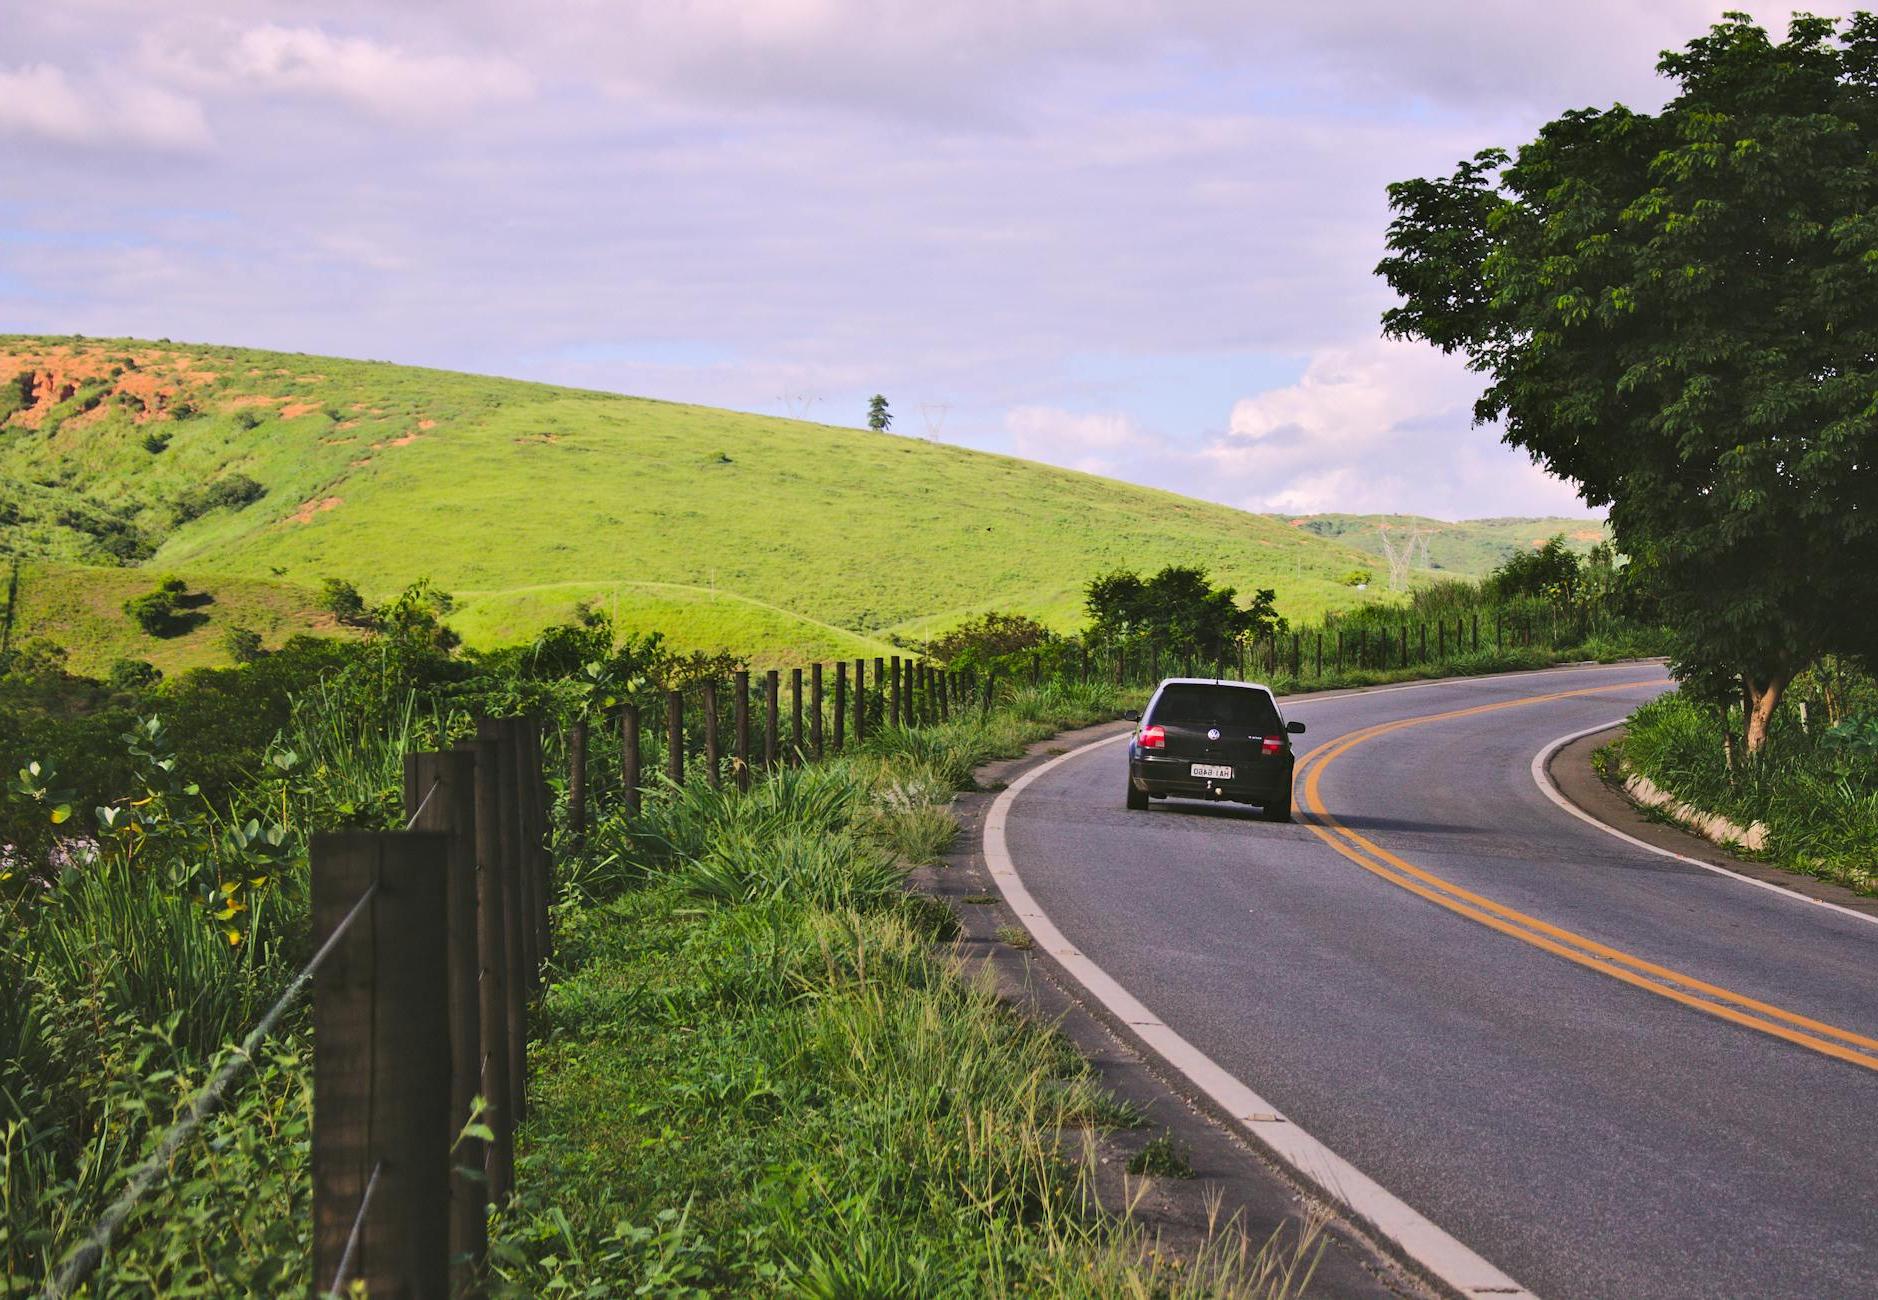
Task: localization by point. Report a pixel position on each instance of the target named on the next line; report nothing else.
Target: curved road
(1609, 1073)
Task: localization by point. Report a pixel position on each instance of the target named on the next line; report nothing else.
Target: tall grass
(760, 1076)
(1818, 802)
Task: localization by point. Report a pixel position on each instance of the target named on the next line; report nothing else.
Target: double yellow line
(1712, 999)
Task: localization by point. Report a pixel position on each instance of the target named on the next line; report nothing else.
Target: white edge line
(1547, 787)
(1416, 1236)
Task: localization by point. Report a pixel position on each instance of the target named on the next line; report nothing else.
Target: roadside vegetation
(757, 1068)
(1815, 787)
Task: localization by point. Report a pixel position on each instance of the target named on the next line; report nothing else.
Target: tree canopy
(1679, 312)
(1178, 610)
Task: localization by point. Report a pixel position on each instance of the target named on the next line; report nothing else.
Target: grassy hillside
(1463, 548)
(229, 467)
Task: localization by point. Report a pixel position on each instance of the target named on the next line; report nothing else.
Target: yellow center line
(1856, 1048)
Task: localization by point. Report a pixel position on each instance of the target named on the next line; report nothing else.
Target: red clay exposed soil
(304, 515)
(294, 410)
(145, 385)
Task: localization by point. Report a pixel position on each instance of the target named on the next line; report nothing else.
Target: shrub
(156, 442)
(133, 674)
(342, 600)
(248, 419)
(243, 644)
(160, 612)
(233, 492)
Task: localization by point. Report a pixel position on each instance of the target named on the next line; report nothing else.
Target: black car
(1205, 739)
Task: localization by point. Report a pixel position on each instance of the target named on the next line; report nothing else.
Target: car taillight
(1152, 738)
(1271, 744)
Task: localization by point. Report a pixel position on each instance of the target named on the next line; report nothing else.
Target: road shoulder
(1231, 1177)
(1573, 776)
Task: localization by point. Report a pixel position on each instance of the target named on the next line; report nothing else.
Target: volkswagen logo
(1213, 734)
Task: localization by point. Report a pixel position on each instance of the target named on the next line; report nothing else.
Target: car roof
(1212, 681)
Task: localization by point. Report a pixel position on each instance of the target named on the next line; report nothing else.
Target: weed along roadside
(600, 999)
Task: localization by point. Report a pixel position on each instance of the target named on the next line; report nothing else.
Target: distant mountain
(1466, 548)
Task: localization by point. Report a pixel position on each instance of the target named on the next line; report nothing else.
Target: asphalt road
(1709, 1129)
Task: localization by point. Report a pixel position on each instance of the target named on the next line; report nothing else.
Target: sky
(1131, 238)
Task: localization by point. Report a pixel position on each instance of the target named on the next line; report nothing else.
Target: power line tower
(797, 404)
(1402, 558)
(933, 416)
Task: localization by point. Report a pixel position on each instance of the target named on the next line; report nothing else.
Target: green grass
(1467, 548)
(767, 534)
(761, 1076)
(81, 607)
(1820, 804)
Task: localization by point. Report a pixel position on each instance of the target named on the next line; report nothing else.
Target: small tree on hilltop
(879, 418)
(1679, 312)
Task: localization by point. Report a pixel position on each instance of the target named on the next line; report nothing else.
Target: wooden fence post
(740, 714)
(440, 795)
(815, 710)
(1404, 653)
(522, 819)
(860, 700)
(1441, 639)
(629, 758)
(492, 985)
(795, 716)
(841, 703)
(537, 810)
(675, 737)
(893, 691)
(713, 774)
(577, 782)
(1319, 665)
(772, 684)
(506, 812)
(381, 1062)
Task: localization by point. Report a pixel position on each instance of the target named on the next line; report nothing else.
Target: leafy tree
(1358, 578)
(1179, 610)
(1548, 572)
(988, 638)
(1677, 311)
(879, 419)
(342, 600)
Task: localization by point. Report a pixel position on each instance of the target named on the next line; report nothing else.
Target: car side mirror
(1131, 715)
(1295, 728)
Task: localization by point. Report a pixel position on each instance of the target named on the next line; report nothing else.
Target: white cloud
(378, 76)
(1378, 426)
(41, 100)
(1094, 442)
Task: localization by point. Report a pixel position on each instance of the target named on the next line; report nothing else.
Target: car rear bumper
(1265, 784)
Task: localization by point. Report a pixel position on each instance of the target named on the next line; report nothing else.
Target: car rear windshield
(1222, 706)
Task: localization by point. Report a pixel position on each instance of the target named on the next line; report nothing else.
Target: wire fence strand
(83, 1260)
(349, 1256)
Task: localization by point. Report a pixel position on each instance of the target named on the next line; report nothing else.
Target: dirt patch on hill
(145, 382)
(304, 515)
(426, 423)
(294, 410)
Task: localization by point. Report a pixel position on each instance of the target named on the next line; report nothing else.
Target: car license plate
(1211, 772)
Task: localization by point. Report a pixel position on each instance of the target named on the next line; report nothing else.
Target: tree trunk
(1763, 698)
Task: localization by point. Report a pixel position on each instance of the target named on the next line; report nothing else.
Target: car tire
(1137, 799)
(1278, 810)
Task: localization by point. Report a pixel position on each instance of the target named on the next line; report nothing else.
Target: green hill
(1467, 548)
(256, 475)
